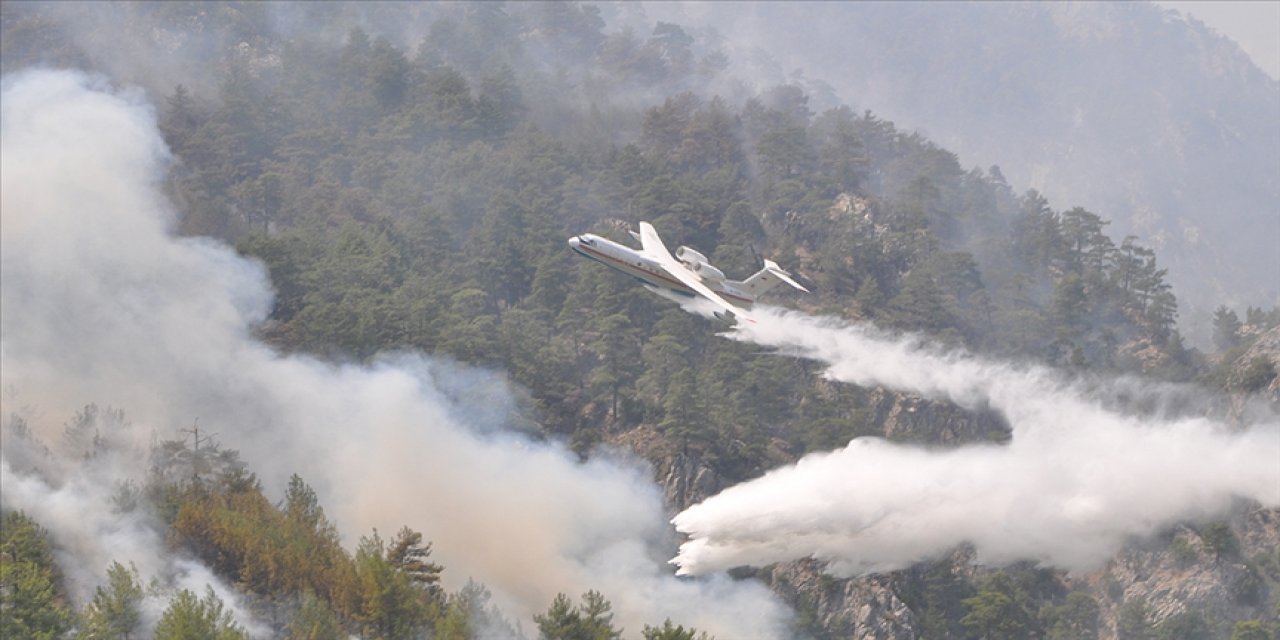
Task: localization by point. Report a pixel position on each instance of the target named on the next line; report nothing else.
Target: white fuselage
(649, 271)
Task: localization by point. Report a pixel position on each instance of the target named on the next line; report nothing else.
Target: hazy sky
(1254, 25)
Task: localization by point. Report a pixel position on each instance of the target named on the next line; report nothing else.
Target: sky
(1253, 24)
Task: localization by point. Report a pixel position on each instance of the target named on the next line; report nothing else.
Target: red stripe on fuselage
(627, 268)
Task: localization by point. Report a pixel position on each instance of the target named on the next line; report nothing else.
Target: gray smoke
(90, 535)
(102, 303)
(1076, 482)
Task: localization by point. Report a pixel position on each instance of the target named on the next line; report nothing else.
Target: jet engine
(698, 264)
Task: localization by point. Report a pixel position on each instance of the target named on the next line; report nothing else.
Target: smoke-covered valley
(279, 276)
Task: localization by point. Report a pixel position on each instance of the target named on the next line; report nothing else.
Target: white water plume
(101, 303)
(1076, 481)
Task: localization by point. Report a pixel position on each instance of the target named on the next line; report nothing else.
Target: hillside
(308, 286)
(1149, 118)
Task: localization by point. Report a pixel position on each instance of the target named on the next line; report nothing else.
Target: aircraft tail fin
(769, 277)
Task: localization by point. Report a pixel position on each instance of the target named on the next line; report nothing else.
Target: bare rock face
(687, 481)
(1245, 373)
(1218, 571)
(909, 418)
(859, 609)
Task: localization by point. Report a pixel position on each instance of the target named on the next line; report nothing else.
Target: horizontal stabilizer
(783, 275)
(768, 278)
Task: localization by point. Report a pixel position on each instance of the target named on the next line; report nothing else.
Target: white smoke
(90, 534)
(1076, 482)
(101, 303)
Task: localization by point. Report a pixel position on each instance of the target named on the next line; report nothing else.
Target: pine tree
(314, 620)
(1075, 619)
(1226, 328)
(999, 610)
(593, 620)
(392, 607)
(189, 617)
(1133, 622)
(408, 554)
(670, 631)
(31, 602)
(116, 608)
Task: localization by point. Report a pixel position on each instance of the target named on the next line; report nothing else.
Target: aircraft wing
(653, 247)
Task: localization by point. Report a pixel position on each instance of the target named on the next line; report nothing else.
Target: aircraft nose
(574, 242)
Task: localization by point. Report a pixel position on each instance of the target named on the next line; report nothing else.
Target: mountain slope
(1153, 120)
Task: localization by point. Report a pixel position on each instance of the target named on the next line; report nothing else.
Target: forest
(416, 196)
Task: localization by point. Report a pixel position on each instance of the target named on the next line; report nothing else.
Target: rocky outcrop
(909, 418)
(859, 609)
(688, 481)
(1218, 571)
(1265, 349)
(685, 479)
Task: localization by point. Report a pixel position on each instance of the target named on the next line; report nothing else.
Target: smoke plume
(101, 303)
(1078, 479)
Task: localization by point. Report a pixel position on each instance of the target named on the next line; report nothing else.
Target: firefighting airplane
(687, 273)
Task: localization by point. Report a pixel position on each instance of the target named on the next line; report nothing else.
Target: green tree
(1088, 250)
(784, 152)
(392, 607)
(1069, 306)
(468, 613)
(1075, 619)
(1133, 621)
(470, 331)
(675, 45)
(561, 621)
(597, 614)
(188, 618)
(670, 631)
(1251, 630)
(937, 595)
(997, 611)
(302, 506)
(839, 148)
(920, 305)
(116, 608)
(314, 620)
(1226, 328)
(710, 141)
(388, 74)
(500, 104)
(31, 607)
(1220, 539)
(592, 620)
(31, 602)
(683, 413)
(408, 554)
(664, 126)
(617, 346)
(1036, 234)
(1184, 625)
(994, 615)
